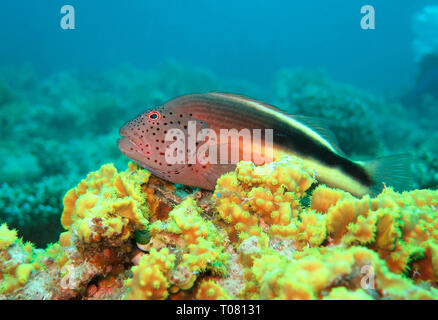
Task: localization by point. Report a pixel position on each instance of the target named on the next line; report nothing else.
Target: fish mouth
(127, 146)
(130, 149)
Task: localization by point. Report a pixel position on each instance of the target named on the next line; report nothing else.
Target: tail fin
(391, 171)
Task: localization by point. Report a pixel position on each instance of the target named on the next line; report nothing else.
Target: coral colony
(254, 237)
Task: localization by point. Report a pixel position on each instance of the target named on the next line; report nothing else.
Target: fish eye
(154, 116)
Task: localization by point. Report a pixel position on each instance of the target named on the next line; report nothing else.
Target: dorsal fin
(233, 95)
(321, 126)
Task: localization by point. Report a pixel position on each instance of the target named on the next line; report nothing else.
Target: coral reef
(100, 216)
(106, 206)
(266, 232)
(34, 208)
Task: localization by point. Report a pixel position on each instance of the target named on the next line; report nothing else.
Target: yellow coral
(56, 253)
(16, 266)
(324, 197)
(17, 278)
(203, 243)
(186, 220)
(309, 230)
(254, 198)
(255, 239)
(23, 271)
(342, 293)
(210, 290)
(106, 205)
(314, 271)
(7, 237)
(150, 279)
(288, 172)
(391, 223)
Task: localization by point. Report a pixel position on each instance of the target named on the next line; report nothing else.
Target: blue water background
(246, 39)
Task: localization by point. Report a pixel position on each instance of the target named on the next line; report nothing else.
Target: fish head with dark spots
(147, 138)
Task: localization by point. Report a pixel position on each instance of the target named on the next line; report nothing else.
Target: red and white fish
(307, 138)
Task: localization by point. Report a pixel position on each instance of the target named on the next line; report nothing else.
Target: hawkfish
(145, 140)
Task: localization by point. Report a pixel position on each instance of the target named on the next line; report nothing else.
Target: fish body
(144, 141)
